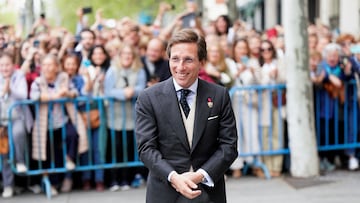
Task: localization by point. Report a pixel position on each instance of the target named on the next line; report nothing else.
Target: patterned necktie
(183, 102)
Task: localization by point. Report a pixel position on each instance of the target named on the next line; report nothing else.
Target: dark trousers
(123, 174)
(54, 150)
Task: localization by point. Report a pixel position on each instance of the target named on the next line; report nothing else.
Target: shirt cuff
(207, 179)
(170, 174)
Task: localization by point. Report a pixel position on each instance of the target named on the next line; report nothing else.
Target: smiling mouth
(182, 74)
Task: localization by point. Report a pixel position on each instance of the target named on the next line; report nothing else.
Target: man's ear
(202, 63)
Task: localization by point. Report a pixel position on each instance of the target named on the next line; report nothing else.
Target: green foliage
(8, 18)
(111, 9)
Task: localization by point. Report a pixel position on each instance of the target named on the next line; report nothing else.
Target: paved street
(339, 186)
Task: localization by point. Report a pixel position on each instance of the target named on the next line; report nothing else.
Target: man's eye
(189, 60)
(175, 59)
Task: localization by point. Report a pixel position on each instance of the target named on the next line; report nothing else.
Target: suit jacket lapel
(202, 112)
(172, 112)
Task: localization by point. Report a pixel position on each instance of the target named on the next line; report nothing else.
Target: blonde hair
(221, 65)
(136, 64)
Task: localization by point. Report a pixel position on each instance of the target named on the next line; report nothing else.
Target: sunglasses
(266, 49)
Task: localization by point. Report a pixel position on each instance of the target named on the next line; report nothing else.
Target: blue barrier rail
(260, 123)
(259, 111)
(106, 107)
(336, 122)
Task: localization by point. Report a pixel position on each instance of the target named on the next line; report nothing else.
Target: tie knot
(185, 92)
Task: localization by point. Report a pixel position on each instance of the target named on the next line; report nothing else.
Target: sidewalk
(336, 187)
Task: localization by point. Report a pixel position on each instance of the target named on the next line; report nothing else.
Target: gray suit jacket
(163, 145)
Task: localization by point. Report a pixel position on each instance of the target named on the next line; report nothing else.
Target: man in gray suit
(185, 129)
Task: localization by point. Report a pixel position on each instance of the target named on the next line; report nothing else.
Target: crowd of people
(120, 60)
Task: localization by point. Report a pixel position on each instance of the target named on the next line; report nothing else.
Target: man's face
(87, 40)
(154, 51)
(184, 63)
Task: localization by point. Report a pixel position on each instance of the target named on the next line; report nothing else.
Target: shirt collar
(192, 87)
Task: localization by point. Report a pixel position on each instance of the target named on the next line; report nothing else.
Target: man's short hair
(88, 30)
(187, 35)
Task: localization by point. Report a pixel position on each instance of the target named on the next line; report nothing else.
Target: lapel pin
(210, 102)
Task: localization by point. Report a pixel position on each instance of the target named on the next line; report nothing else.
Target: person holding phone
(41, 25)
(82, 50)
(31, 64)
(100, 63)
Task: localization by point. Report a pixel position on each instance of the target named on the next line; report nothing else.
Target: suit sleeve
(226, 152)
(147, 138)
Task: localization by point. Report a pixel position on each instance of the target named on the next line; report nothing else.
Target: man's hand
(196, 177)
(183, 184)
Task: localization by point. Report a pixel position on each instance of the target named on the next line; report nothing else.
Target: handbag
(335, 92)
(275, 98)
(4, 140)
(92, 116)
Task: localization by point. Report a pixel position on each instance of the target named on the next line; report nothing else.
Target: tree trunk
(29, 15)
(300, 108)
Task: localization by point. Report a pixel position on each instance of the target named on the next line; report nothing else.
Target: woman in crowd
(13, 88)
(245, 106)
(219, 67)
(222, 25)
(123, 82)
(100, 63)
(51, 120)
(330, 98)
(30, 61)
(71, 66)
(345, 41)
(271, 116)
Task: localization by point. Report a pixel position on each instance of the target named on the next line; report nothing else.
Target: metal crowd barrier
(335, 121)
(251, 104)
(257, 107)
(102, 103)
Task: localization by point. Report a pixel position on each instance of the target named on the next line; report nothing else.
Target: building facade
(337, 14)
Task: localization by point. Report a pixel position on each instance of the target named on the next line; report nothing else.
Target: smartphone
(36, 43)
(188, 20)
(87, 10)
